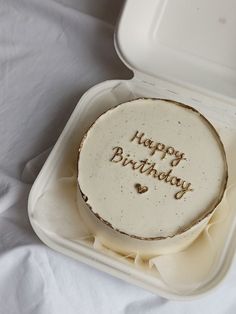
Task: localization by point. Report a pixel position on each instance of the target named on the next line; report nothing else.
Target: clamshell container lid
(190, 43)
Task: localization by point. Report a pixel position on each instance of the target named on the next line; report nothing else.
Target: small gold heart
(141, 188)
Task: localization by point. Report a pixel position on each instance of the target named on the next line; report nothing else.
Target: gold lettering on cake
(158, 147)
(150, 169)
(118, 153)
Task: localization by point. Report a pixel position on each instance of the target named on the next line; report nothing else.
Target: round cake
(151, 173)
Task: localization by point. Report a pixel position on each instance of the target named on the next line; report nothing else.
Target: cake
(151, 173)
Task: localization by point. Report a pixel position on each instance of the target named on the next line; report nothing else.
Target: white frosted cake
(151, 173)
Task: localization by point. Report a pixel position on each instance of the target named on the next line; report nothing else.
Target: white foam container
(182, 50)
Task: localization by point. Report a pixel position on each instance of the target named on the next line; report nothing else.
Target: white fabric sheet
(51, 51)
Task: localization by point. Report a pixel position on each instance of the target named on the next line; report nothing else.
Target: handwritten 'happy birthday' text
(149, 168)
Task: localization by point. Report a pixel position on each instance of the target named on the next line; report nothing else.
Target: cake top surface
(151, 168)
